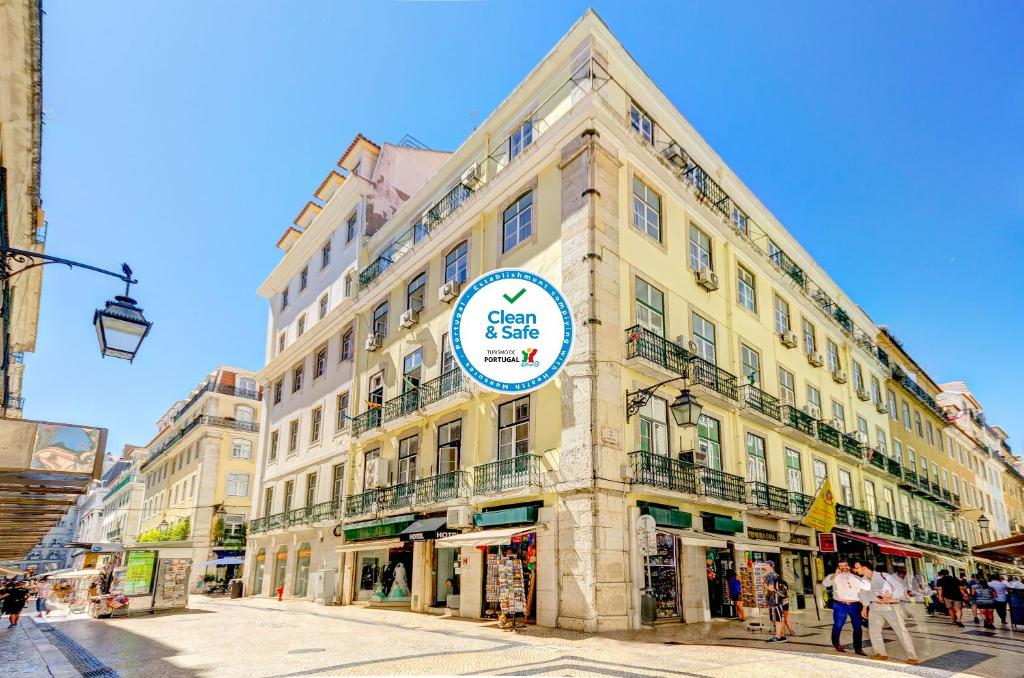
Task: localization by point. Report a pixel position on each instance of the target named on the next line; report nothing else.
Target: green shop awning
(722, 524)
(376, 529)
(521, 515)
(664, 517)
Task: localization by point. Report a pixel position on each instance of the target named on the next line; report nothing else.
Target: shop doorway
(302, 558)
(385, 575)
(446, 578)
(280, 568)
(510, 575)
(258, 570)
(719, 562)
(661, 578)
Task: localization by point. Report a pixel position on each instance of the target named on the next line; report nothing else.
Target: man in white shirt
(999, 586)
(884, 596)
(846, 588)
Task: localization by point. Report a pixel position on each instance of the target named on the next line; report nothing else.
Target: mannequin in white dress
(400, 589)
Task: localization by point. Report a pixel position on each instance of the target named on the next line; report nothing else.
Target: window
(343, 414)
(905, 508)
(449, 446)
(350, 227)
(376, 389)
(891, 404)
(750, 363)
(316, 421)
(781, 315)
(646, 209)
(514, 428)
(858, 376)
(654, 426)
(889, 507)
(325, 255)
(814, 397)
(757, 466)
(408, 450)
(273, 445)
(447, 357)
(322, 312)
(293, 436)
(709, 442)
(650, 307)
(289, 495)
(280, 341)
(310, 490)
(911, 460)
(838, 412)
(897, 450)
(906, 414)
(517, 222)
(810, 345)
(739, 219)
(238, 484)
(931, 434)
(641, 122)
(456, 263)
(870, 502)
(917, 424)
(520, 139)
(348, 286)
(745, 289)
(883, 444)
(284, 299)
(876, 391)
(304, 278)
(297, 377)
(300, 326)
(832, 351)
(846, 487)
(241, 449)
(320, 362)
(862, 427)
(704, 338)
(337, 481)
(945, 480)
(414, 293)
(346, 345)
(380, 319)
(700, 250)
(794, 477)
(787, 390)
(412, 370)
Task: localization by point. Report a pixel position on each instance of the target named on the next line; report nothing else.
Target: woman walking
(736, 593)
(43, 592)
(14, 597)
(983, 598)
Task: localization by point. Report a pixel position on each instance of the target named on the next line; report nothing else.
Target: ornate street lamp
(121, 327)
(685, 408)
(983, 522)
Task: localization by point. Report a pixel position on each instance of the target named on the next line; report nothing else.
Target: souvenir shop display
(754, 592)
(662, 577)
(523, 548)
(511, 591)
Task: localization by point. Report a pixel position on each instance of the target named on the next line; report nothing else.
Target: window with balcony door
(781, 315)
(787, 387)
(337, 481)
(320, 362)
(517, 223)
(415, 293)
(810, 343)
(350, 227)
(325, 255)
(641, 122)
(316, 421)
(412, 371)
(376, 389)
(447, 357)
(241, 449)
(520, 138)
(870, 502)
(514, 428)
(814, 398)
(931, 433)
(905, 508)
(268, 501)
(380, 319)
(293, 436)
(347, 340)
(289, 495)
(862, 427)
(794, 475)
(278, 388)
(889, 507)
(876, 391)
(300, 325)
(858, 376)
(882, 441)
(757, 463)
(322, 307)
(654, 426)
(917, 424)
(820, 474)
(310, 489)
(297, 378)
(750, 364)
(650, 307)
(945, 480)
(709, 442)
(846, 487)
(700, 250)
(449, 446)
(371, 471)
(343, 415)
(906, 414)
(456, 263)
(408, 451)
(646, 209)
(833, 355)
(704, 338)
(746, 289)
(304, 278)
(247, 386)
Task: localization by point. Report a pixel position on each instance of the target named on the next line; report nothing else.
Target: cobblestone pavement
(261, 637)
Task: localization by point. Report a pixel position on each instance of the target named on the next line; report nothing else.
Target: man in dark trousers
(846, 588)
(951, 594)
(14, 596)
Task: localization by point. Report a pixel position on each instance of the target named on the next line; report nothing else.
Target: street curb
(56, 663)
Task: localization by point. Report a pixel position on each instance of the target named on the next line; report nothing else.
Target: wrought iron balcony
(788, 266)
(841, 317)
(902, 530)
(894, 467)
(439, 388)
(397, 496)
(909, 478)
(300, 516)
(705, 373)
(763, 495)
(327, 510)
(230, 540)
(759, 401)
(358, 504)
(861, 519)
(224, 389)
(276, 521)
(405, 404)
(827, 434)
(933, 538)
(798, 419)
(442, 487)
(799, 503)
(645, 344)
(844, 515)
(944, 541)
(956, 499)
(884, 525)
(910, 385)
(720, 485)
(367, 421)
(920, 535)
(852, 447)
(658, 470)
(947, 495)
(257, 525)
(504, 475)
(877, 459)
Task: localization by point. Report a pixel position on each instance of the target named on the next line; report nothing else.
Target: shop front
(436, 570)
(378, 564)
(796, 564)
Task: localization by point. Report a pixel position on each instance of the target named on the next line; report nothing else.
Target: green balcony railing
(257, 525)
(956, 499)
(439, 388)
(944, 541)
(827, 434)
(933, 538)
(405, 404)
(884, 525)
(799, 503)
(903, 530)
(909, 478)
(358, 504)
(395, 497)
(763, 495)
(300, 516)
(658, 470)
(861, 519)
(720, 485)
(327, 510)
(877, 459)
(852, 447)
(920, 535)
(442, 487)
(788, 266)
(367, 421)
(759, 401)
(276, 521)
(894, 467)
(504, 475)
(705, 373)
(643, 343)
(798, 419)
(844, 515)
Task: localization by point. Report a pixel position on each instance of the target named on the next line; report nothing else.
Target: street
(261, 637)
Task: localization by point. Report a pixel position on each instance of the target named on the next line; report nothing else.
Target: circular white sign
(511, 331)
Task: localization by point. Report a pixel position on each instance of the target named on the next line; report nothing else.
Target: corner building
(587, 175)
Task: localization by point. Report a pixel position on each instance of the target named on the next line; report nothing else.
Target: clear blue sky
(184, 137)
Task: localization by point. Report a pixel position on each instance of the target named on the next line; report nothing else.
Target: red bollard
(280, 592)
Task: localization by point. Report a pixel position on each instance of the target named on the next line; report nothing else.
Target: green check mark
(514, 299)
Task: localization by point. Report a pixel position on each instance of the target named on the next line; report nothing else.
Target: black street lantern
(983, 522)
(120, 328)
(686, 409)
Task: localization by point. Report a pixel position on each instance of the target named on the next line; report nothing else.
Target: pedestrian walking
(917, 591)
(984, 600)
(14, 597)
(43, 592)
(884, 598)
(998, 584)
(736, 593)
(951, 594)
(777, 592)
(846, 588)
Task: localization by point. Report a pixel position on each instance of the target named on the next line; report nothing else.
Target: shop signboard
(827, 543)
(763, 535)
(138, 574)
(646, 537)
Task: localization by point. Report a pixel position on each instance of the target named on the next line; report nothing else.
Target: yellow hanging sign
(822, 514)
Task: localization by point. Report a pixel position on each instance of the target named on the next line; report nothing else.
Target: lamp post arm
(637, 399)
(13, 254)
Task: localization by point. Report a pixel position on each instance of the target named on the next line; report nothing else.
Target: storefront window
(280, 566)
(302, 571)
(661, 577)
(260, 568)
(385, 574)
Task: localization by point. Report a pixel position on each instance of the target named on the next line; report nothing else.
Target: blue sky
(184, 137)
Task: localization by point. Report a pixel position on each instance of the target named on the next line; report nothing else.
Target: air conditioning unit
(473, 177)
(459, 516)
(880, 407)
(674, 154)
(707, 279)
(813, 411)
(373, 342)
(788, 339)
(839, 376)
(702, 454)
(863, 394)
(816, 359)
(409, 318)
(860, 437)
(377, 472)
(448, 292)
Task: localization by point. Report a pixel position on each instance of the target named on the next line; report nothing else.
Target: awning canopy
(947, 559)
(1006, 567)
(760, 547)
(377, 529)
(1009, 548)
(8, 572)
(226, 561)
(75, 574)
(427, 528)
(886, 547)
(369, 545)
(52, 573)
(501, 536)
(691, 538)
